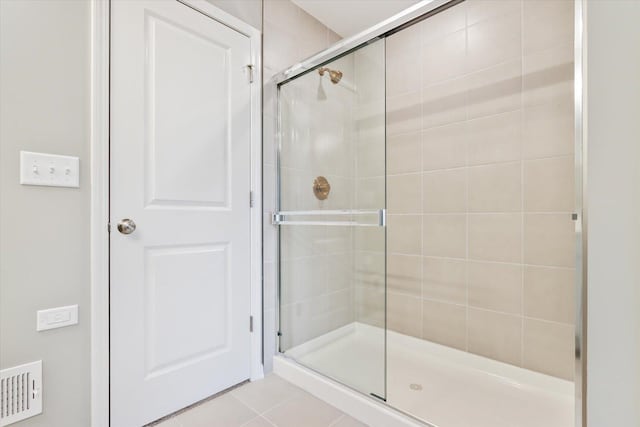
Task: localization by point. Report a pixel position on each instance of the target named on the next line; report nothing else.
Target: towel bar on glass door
(280, 218)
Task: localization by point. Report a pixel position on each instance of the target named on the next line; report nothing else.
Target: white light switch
(57, 317)
(49, 169)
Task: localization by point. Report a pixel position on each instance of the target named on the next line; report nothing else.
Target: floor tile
(265, 394)
(223, 411)
(304, 410)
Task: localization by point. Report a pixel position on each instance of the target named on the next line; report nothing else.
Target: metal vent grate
(20, 392)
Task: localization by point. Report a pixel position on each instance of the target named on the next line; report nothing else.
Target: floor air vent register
(20, 392)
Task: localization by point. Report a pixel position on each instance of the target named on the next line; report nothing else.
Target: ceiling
(348, 17)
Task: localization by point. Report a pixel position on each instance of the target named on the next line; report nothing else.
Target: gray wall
(613, 87)
(44, 232)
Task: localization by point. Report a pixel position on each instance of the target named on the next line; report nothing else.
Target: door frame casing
(99, 177)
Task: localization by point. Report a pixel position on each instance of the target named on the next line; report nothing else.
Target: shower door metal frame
(398, 22)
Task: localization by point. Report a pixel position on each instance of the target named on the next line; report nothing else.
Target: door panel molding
(99, 181)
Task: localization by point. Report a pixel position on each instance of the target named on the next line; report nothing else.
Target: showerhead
(334, 75)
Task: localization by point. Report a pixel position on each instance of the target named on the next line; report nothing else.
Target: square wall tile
(404, 153)
(494, 90)
(445, 235)
(495, 335)
(370, 269)
(444, 280)
(494, 139)
(404, 234)
(444, 103)
(548, 76)
(371, 239)
(495, 188)
(549, 293)
(298, 242)
(369, 158)
(302, 278)
(340, 271)
(547, 24)
(370, 306)
(548, 185)
(444, 147)
(444, 324)
(404, 314)
(479, 10)
(495, 286)
(494, 40)
(369, 193)
(548, 130)
(495, 237)
(404, 113)
(404, 67)
(337, 240)
(549, 348)
(404, 274)
(443, 58)
(445, 191)
(404, 194)
(549, 239)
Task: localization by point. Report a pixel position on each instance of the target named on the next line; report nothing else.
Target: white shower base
(459, 389)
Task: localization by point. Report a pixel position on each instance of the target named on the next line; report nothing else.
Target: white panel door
(180, 169)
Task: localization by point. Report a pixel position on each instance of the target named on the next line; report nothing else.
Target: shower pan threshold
(434, 383)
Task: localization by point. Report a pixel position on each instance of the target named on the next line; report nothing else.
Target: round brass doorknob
(126, 226)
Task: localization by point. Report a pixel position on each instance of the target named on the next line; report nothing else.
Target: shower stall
(428, 214)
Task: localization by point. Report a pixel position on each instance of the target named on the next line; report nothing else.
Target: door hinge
(250, 323)
(250, 72)
(251, 199)
(108, 227)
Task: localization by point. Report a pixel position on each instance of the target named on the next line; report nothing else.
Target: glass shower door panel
(331, 219)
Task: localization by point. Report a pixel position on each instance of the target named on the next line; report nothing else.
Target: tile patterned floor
(271, 402)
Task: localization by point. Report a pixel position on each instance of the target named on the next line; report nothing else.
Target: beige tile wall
(480, 181)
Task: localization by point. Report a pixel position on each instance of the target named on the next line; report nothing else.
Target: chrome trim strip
(580, 153)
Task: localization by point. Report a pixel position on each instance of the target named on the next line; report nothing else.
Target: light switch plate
(57, 317)
(50, 170)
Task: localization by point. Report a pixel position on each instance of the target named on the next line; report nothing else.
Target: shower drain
(416, 387)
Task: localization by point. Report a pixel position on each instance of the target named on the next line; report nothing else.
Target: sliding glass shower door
(331, 218)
